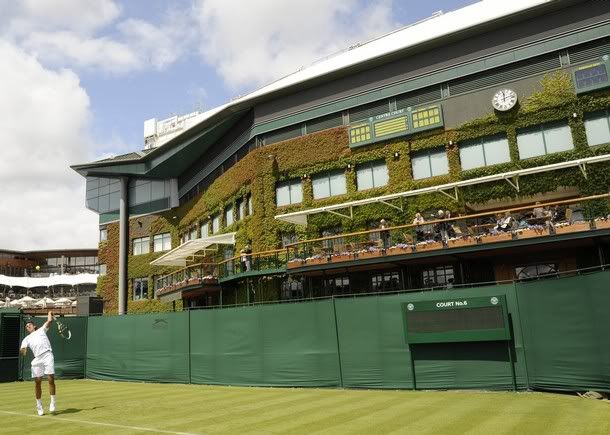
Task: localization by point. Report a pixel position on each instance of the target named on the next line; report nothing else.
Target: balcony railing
(195, 275)
(250, 263)
(435, 234)
(540, 220)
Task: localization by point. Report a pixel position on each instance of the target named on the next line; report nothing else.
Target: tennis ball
(37, 267)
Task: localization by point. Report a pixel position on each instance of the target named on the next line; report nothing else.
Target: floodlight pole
(123, 243)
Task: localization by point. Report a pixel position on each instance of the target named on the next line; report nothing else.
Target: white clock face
(504, 99)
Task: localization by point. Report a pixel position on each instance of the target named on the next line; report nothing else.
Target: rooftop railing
(247, 263)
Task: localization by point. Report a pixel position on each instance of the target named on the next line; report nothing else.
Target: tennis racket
(62, 329)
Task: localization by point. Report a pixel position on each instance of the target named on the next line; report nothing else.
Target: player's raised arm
(47, 324)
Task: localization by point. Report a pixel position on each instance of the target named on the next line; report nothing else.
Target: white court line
(146, 429)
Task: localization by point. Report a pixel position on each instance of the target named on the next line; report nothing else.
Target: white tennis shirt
(37, 341)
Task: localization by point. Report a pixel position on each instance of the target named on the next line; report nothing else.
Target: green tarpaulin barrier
(374, 352)
(69, 354)
(9, 344)
(271, 345)
(566, 326)
(147, 347)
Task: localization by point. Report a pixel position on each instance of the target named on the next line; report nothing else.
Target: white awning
(180, 255)
(50, 281)
(450, 189)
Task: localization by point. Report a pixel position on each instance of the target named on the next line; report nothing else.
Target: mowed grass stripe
(218, 409)
(301, 408)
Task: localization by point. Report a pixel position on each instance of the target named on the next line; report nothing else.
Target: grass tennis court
(125, 407)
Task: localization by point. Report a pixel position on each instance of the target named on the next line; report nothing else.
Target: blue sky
(79, 77)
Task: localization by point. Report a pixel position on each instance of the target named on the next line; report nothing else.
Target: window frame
(590, 116)
(369, 167)
(542, 129)
(481, 142)
(292, 186)
(229, 212)
(428, 154)
(164, 237)
(326, 176)
(143, 295)
(140, 241)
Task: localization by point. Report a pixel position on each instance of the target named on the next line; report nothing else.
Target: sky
(78, 78)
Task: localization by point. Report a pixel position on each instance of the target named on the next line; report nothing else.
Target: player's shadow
(74, 410)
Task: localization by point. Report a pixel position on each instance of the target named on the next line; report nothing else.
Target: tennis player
(43, 362)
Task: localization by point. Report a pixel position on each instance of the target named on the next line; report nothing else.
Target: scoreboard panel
(592, 76)
(456, 320)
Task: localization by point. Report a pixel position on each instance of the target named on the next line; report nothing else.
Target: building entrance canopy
(186, 251)
(450, 189)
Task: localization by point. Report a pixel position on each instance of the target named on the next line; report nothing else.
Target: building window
(215, 223)
(438, 276)
(140, 288)
(102, 270)
(229, 215)
(372, 174)
(429, 164)
(292, 289)
(205, 229)
(241, 209)
(486, 151)
(250, 209)
(141, 246)
(532, 271)
(544, 139)
(103, 234)
(338, 285)
(385, 282)
(162, 242)
(328, 184)
(193, 234)
(597, 127)
(288, 192)
(184, 237)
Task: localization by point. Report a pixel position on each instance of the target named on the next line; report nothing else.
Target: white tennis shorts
(43, 364)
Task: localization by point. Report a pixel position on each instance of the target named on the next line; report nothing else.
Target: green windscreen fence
(69, 355)
(566, 326)
(374, 352)
(9, 344)
(147, 347)
(557, 337)
(274, 345)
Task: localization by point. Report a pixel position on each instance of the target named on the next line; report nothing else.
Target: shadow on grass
(74, 410)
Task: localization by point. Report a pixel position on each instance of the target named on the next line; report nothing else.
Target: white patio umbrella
(15, 303)
(63, 301)
(74, 303)
(45, 302)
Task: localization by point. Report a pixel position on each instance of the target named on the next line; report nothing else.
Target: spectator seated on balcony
(440, 228)
(505, 223)
(449, 225)
(419, 229)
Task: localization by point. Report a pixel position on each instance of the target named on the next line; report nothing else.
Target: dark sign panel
(455, 320)
(591, 77)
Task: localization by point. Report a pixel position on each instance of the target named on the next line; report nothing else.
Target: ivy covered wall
(258, 172)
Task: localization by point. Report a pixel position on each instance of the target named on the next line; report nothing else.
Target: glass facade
(103, 194)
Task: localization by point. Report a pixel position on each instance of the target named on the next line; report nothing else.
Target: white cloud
(81, 16)
(87, 34)
(44, 119)
(255, 42)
